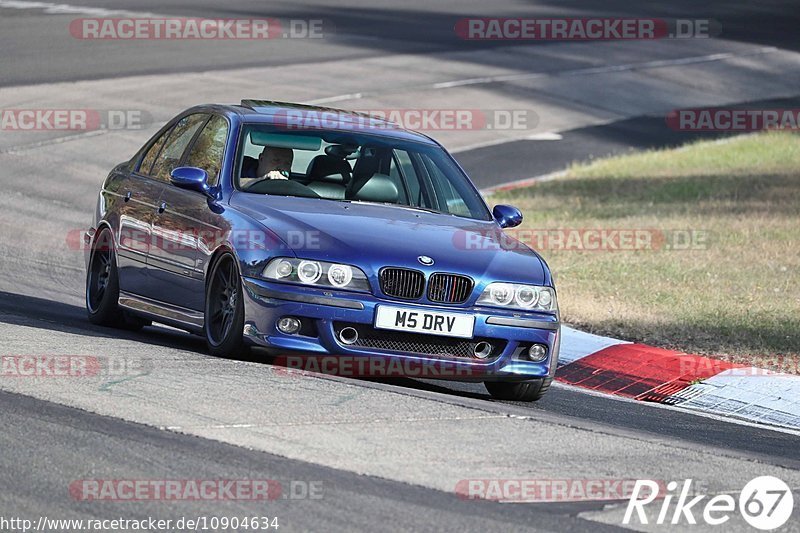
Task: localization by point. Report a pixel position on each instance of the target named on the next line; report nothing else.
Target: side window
(403, 167)
(397, 178)
(209, 148)
(176, 144)
(450, 199)
(152, 152)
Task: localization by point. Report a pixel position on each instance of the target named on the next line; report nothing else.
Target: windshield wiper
(403, 206)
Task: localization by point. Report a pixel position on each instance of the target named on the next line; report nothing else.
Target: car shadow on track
(40, 313)
(34, 312)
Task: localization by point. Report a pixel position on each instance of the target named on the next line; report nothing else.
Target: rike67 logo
(766, 503)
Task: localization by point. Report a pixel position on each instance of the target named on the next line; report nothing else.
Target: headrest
(379, 188)
(328, 166)
(365, 167)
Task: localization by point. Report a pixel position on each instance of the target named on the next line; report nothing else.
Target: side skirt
(161, 312)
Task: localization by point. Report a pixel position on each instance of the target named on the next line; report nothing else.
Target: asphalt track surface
(55, 434)
(37, 50)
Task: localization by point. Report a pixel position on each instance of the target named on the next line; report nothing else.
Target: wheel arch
(101, 227)
(215, 257)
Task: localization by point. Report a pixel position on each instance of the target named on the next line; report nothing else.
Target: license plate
(431, 322)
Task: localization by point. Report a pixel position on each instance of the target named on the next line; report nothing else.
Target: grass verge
(721, 272)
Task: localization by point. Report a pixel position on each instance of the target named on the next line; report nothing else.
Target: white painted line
(50, 8)
(605, 69)
(339, 98)
(544, 136)
(338, 422)
(646, 65)
(213, 426)
(56, 140)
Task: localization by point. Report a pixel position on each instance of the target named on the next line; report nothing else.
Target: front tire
(102, 288)
(224, 310)
(524, 391)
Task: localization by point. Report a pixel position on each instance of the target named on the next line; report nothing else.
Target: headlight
(316, 273)
(340, 275)
(516, 296)
(500, 293)
(309, 272)
(284, 268)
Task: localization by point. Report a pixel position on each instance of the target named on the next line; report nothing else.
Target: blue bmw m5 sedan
(320, 232)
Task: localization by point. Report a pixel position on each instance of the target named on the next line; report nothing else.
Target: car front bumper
(327, 311)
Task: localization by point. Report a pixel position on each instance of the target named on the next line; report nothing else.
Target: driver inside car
(273, 163)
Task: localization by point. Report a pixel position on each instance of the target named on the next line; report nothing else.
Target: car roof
(277, 113)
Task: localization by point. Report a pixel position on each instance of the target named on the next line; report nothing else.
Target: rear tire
(524, 391)
(224, 310)
(102, 288)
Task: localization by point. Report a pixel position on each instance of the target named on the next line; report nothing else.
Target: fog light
(289, 325)
(537, 352)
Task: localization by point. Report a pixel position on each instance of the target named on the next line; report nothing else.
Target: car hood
(372, 236)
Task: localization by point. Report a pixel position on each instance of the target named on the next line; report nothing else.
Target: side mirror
(507, 216)
(191, 179)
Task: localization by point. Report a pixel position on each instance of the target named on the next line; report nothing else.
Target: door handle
(162, 207)
(127, 196)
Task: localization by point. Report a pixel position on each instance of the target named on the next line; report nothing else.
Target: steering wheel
(280, 188)
(249, 186)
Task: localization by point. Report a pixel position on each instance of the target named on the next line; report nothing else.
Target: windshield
(356, 167)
